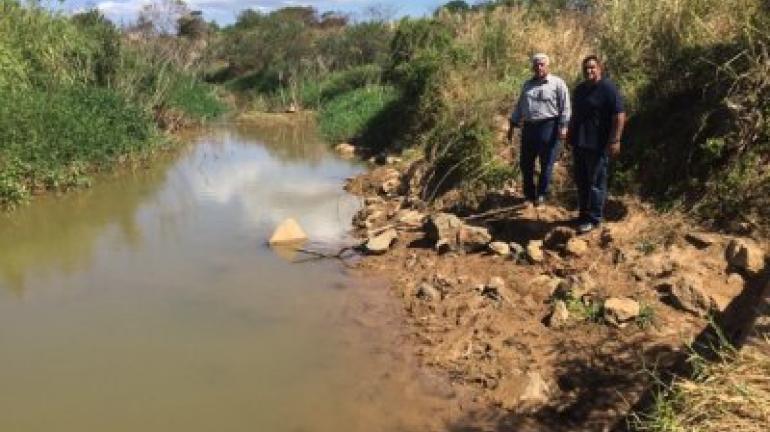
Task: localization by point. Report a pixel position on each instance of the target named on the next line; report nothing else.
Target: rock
(473, 238)
(620, 311)
(687, 293)
(390, 187)
(291, 109)
(410, 217)
(428, 292)
(345, 150)
(745, 255)
(390, 160)
(517, 390)
(442, 226)
(379, 244)
(535, 251)
(288, 231)
(574, 287)
(700, 240)
(517, 250)
(576, 247)
(499, 248)
(448, 232)
(558, 237)
(559, 315)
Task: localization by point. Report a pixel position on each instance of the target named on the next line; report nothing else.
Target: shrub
(346, 116)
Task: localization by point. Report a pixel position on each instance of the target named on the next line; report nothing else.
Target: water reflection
(221, 185)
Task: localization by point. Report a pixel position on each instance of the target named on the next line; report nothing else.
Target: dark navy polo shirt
(593, 108)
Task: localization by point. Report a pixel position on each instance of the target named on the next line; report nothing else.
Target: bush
(315, 92)
(50, 139)
(195, 98)
(347, 116)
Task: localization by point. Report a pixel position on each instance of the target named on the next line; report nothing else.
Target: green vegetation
(729, 392)
(76, 95)
(693, 72)
(347, 115)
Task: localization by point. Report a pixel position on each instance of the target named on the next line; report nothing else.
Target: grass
(196, 99)
(49, 140)
(729, 394)
(346, 116)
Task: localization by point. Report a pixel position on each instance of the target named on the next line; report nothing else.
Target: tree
(456, 6)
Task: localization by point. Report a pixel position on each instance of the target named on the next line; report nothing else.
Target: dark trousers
(590, 170)
(539, 140)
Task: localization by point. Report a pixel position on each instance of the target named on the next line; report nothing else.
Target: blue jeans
(591, 178)
(539, 140)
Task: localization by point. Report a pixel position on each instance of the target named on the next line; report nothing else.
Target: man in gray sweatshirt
(543, 113)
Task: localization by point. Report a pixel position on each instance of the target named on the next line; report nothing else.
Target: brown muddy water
(151, 303)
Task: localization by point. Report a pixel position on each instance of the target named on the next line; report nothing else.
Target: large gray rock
(746, 255)
(288, 231)
(380, 244)
(621, 311)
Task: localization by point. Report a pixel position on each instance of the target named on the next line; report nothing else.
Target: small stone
(559, 315)
(620, 311)
(380, 244)
(745, 255)
(345, 150)
(500, 248)
(390, 160)
(288, 231)
(576, 247)
(428, 292)
(517, 250)
(535, 253)
(536, 390)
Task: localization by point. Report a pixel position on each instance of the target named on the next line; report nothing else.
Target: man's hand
(614, 148)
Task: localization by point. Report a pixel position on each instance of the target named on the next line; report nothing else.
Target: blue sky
(224, 11)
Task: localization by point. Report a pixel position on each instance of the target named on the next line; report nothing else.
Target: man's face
(592, 71)
(540, 68)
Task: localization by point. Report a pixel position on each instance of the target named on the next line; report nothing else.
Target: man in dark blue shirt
(594, 133)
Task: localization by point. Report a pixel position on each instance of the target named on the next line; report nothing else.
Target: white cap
(541, 57)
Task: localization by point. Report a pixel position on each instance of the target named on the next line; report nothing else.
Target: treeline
(694, 73)
(77, 94)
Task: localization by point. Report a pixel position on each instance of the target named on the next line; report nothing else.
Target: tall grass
(347, 116)
(76, 97)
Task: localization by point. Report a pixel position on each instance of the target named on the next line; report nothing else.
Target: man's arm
(618, 123)
(516, 115)
(565, 109)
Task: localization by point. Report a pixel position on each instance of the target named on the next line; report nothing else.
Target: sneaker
(539, 201)
(585, 227)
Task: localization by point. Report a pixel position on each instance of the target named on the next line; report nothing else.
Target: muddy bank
(545, 329)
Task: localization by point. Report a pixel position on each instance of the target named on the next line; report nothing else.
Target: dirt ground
(482, 319)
